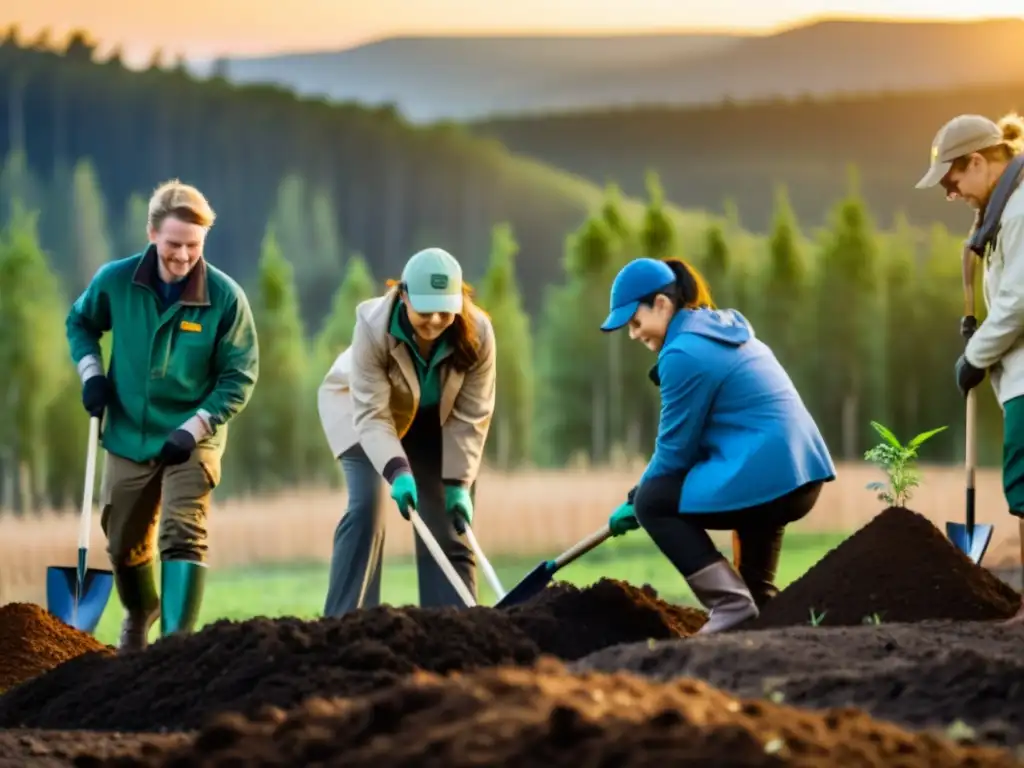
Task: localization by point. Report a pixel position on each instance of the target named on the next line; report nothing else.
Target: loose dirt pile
(237, 666)
(514, 717)
(923, 675)
(33, 641)
(899, 567)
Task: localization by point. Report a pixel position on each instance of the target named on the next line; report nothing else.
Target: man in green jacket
(184, 361)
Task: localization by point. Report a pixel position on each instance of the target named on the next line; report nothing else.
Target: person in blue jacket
(737, 449)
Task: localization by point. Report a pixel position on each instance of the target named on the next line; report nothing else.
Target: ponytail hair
(689, 290)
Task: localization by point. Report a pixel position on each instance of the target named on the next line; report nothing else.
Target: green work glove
(459, 506)
(403, 491)
(623, 520)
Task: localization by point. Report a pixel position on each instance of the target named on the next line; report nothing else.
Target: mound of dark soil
(517, 717)
(899, 567)
(569, 622)
(179, 681)
(33, 641)
(922, 675)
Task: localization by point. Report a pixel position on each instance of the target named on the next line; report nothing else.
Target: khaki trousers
(132, 494)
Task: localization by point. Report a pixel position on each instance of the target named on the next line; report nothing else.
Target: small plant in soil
(874, 619)
(897, 460)
(817, 618)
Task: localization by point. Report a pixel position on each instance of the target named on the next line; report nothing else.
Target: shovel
(536, 580)
(78, 596)
(439, 557)
(969, 538)
(489, 571)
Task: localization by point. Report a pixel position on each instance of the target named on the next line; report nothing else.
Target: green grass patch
(298, 589)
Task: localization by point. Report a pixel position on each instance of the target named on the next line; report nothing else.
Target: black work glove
(97, 393)
(967, 376)
(178, 447)
(968, 325)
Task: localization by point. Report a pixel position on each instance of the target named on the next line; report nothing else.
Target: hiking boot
(721, 590)
(181, 594)
(136, 587)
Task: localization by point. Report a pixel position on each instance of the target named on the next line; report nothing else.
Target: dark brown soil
(57, 749)
(899, 567)
(238, 666)
(33, 641)
(519, 718)
(921, 675)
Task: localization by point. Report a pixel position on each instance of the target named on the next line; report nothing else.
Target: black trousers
(757, 531)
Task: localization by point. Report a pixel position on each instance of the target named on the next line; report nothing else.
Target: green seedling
(897, 460)
(817, 618)
(874, 619)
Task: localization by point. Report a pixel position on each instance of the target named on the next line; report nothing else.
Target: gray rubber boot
(721, 590)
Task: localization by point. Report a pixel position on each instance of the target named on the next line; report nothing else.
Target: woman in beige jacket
(411, 401)
(981, 162)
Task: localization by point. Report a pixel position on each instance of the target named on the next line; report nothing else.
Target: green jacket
(195, 362)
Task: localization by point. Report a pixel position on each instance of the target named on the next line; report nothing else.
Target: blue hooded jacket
(730, 417)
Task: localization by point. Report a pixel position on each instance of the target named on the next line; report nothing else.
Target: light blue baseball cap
(639, 278)
(433, 281)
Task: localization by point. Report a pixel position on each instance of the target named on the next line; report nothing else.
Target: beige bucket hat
(960, 136)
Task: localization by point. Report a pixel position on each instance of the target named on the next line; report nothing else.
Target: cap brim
(439, 302)
(934, 175)
(619, 316)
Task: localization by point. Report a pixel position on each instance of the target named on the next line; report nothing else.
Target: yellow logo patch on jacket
(187, 325)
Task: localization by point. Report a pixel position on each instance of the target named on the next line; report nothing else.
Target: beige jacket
(998, 344)
(371, 394)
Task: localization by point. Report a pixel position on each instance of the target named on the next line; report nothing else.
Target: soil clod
(897, 568)
(33, 641)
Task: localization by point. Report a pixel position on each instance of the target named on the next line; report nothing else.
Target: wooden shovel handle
(582, 547)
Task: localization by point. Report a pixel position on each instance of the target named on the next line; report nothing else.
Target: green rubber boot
(136, 587)
(181, 594)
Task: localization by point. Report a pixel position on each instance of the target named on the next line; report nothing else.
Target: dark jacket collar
(195, 292)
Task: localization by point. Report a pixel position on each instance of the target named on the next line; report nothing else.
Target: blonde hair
(182, 201)
(1012, 126)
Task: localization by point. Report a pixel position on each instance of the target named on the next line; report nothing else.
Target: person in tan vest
(410, 401)
(973, 157)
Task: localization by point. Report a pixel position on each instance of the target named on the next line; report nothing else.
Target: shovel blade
(973, 544)
(532, 584)
(61, 585)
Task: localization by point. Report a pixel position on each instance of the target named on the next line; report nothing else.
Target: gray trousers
(359, 539)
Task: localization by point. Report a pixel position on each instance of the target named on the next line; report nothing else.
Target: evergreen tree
(133, 226)
(848, 328)
(268, 442)
(783, 326)
(508, 443)
(90, 232)
(32, 355)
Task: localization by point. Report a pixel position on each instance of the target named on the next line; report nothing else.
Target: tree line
(865, 321)
(708, 154)
(82, 123)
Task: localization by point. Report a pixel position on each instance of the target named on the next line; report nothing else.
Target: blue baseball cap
(639, 278)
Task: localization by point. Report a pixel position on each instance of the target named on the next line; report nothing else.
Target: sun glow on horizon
(237, 27)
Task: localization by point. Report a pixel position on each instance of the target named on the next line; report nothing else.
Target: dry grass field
(526, 513)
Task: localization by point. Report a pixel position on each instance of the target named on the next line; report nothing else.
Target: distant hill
(470, 78)
(460, 78)
(817, 59)
(708, 154)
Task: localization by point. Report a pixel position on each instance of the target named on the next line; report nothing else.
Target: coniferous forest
(319, 204)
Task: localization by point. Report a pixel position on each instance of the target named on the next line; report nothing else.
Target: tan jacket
(371, 394)
(998, 344)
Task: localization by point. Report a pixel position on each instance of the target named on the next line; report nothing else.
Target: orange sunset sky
(206, 28)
